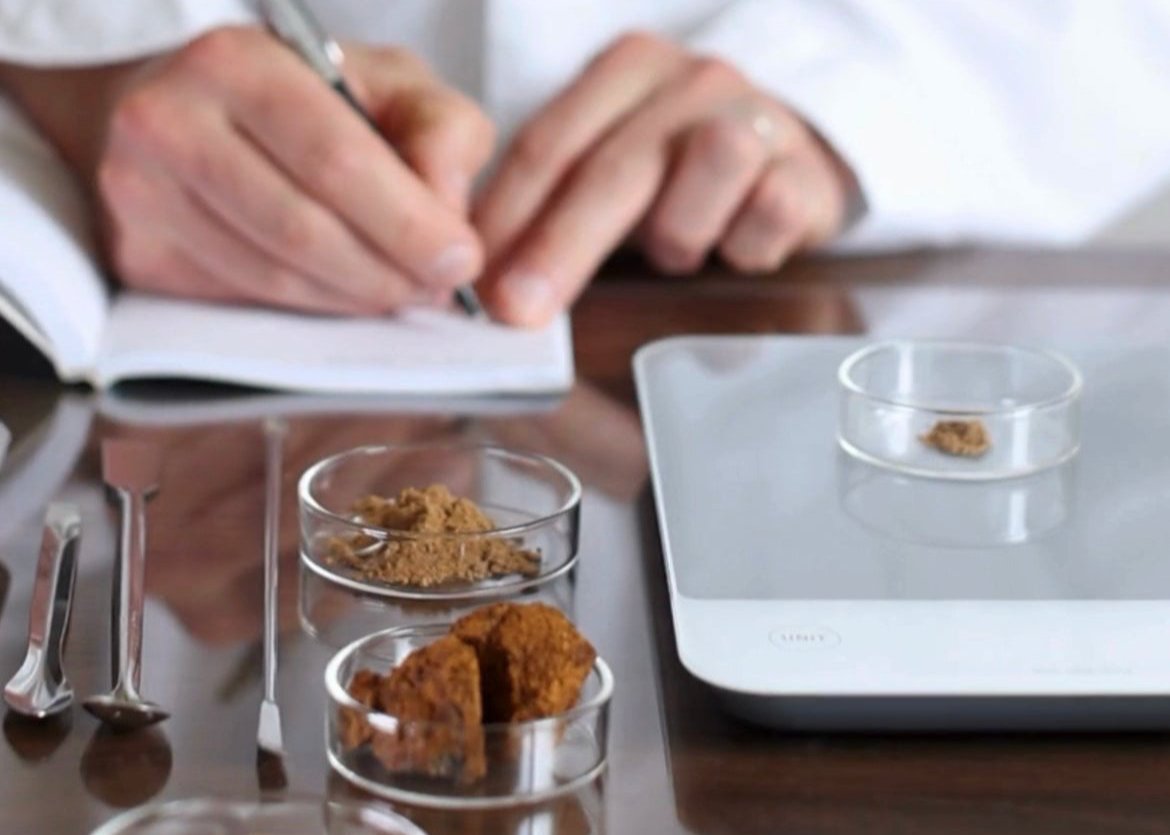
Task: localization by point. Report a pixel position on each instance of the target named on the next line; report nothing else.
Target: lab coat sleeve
(970, 120)
(81, 32)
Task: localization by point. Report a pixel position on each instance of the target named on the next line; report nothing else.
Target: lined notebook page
(425, 352)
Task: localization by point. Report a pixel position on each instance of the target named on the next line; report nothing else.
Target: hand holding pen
(292, 21)
(230, 172)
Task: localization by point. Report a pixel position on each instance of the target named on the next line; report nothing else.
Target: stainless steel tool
(131, 470)
(269, 735)
(40, 689)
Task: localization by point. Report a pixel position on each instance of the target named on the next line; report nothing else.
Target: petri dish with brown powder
(438, 522)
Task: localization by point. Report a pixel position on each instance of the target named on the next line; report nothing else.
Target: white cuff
(85, 32)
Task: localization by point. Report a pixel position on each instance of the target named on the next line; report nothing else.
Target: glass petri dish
(902, 401)
(524, 762)
(336, 616)
(956, 514)
(575, 813)
(533, 500)
(290, 817)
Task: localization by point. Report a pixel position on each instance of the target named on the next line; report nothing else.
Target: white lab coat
(965, 120)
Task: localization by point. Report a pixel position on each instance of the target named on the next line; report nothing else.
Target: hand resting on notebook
(677, 152)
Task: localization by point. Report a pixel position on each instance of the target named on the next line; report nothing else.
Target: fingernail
(455, 265)
(529, 296)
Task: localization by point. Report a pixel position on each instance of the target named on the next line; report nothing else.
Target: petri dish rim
(469, 591)
(974, 476)
(241, 810)
(433, 801)
(1070, 392)
(569, 505)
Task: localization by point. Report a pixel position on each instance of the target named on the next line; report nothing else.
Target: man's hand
(679, 150)
(232, 172)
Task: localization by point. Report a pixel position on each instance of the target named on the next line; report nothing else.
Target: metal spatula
(269, 736)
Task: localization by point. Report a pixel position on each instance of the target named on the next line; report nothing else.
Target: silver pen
(293, 23)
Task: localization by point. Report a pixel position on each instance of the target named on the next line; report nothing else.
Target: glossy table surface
(677, 764)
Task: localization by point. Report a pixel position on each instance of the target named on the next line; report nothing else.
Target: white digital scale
(815, 591)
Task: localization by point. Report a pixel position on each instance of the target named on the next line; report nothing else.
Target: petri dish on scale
(1012, 411)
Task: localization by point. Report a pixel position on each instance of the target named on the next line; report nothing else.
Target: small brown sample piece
(429, 559)
(963, 438)
(475, 628)
(533, 661)
(435, 697)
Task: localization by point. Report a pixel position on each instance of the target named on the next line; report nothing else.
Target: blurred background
(1146, 226)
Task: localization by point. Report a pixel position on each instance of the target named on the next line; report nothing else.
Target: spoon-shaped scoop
(130, 469)
(39, 689)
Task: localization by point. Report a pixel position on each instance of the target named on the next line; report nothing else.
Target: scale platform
(815, 591)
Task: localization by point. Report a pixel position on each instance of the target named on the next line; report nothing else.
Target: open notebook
(53, 293)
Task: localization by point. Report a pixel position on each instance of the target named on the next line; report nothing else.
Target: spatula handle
(129, 589)
(274, 432)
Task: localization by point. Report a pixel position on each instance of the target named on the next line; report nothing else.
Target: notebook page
(422, 352)
(123, 405)
(50, 289)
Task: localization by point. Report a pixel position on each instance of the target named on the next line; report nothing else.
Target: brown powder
(964, 438)
(429, 560)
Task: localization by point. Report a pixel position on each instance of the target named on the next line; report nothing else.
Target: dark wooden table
(677, 764)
